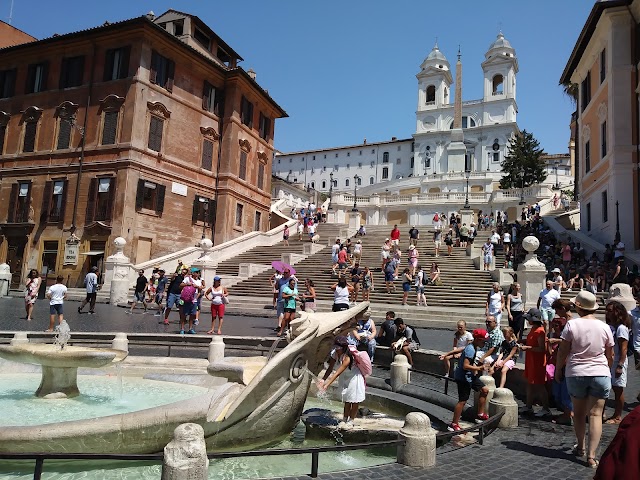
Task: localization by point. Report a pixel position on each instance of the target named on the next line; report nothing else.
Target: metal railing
(315, 452)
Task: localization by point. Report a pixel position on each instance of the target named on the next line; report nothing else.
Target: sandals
(578, 452)
(613, 421)
(592, 463)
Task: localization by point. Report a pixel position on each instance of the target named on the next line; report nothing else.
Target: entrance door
(49, 262)
(144, 250)
(15, 257)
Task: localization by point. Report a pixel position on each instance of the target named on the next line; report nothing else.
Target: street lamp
(330, 190)
(467, 174)
(617, 237)
(205, 207)
(355, 191)
(522, 202)
(555, 166)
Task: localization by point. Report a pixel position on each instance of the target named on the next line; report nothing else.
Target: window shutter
(207, 154)
(196, 209)
(13, 198)
(91, 201)
(211, 213)
(112, 196)
(160, 198)
(218, 103)
(25, 206)
(124, 61)
(206, 95)
(153, 72)
(31, 78)
(155, 133)
(63, 205)
(63, 73)
(64, 133)
(108, 64)
(45, 74)
(46, 202)
(30, 130)
(171, 67)
(78, 71)
(139, 194)
(261, 176)
(109, 128)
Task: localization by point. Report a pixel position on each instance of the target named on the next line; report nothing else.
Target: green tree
(523, 166)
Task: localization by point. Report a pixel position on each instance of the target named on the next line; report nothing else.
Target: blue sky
(345, 70)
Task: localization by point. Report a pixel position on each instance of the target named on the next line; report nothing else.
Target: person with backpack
(422, 280)
(406, 340)
(349, 367)
(188, 302)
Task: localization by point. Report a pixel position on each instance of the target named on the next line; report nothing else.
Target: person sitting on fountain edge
(467, 377)
(387, 333)
(405, 341)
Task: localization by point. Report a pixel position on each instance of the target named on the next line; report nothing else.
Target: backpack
(414, 335)
(425, 279)
(188, 293)
(388, 268)
(363, 362)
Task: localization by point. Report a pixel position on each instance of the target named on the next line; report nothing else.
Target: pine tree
(523, 166)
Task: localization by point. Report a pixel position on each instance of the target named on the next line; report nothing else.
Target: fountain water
(63, 334)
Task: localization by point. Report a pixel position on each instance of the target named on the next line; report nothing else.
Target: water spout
(63, 334)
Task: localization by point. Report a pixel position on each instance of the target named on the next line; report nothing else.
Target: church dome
(500, 46)
(435, 58)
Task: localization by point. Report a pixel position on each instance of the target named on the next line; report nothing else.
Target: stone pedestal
(19, 338)
(419, 449)
(58, 380)
(292, 258)
(354, 222)
(467, 215)
(117, 269)
(247, 270)
(5, 279)
(216, 349)
(185, 456)
(490, 383)
(503, 401)
(399, 372)
(309, 248)
(331, 216)
(456, 151)
(531, 273)
(120, 342)
(206, 263)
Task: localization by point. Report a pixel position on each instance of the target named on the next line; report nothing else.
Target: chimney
(393, 139)
(151, 16)
(365, 142)
(252, 74)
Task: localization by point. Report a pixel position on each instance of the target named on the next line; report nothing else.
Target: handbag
(225, 300)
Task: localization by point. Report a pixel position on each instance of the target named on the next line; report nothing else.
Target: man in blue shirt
(467, 377)
(280, 284)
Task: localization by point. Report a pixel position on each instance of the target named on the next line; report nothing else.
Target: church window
(431, 94)
(346, 182)
(371, 180)
(427, 162)
(398, 161)
(360, 152)
(498, 85)
(412, 162)
(359, 164)
(336, 155)
(496, 156)
(313, 185)
(446, 95)
(372, 164)
(324, 184)
(348, 154)
(373, 150)
(385, 173)
(603, 65)
(324, 169)
(359, 181)
(385, 157)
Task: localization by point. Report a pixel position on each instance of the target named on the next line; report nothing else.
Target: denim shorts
(583, 387)
(188, 308)
(172, 300)
(56, 309)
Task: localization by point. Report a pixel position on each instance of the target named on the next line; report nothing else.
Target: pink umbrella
(281, 267)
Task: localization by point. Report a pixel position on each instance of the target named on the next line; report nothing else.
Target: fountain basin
(60, 365)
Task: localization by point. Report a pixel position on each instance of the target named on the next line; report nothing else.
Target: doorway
(49, 261)
(15, 258)
(143, 252)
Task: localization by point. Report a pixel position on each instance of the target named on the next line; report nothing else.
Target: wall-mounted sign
(71, 253)
(179, 189)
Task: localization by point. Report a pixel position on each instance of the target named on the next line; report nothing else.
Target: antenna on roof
(10, 13)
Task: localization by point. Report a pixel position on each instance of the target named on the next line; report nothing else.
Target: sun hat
(411, 247)
(533, 315)
(480, 333)
(555, 270)
(585, 301)
(621, 292)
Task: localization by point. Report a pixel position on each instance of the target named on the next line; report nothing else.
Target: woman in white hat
(413, 259)
(587, 352)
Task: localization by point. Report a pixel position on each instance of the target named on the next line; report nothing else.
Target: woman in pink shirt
(586, 351)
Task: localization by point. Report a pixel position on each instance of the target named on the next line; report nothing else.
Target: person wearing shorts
(91, 285)
(139, 294)
(467, 378)
(161, 286)
(56, 295)
(174, 290)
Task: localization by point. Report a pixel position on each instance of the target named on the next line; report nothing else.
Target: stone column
(466, 215)
(206, 263)
(531, 273)
(216, 349)
(185, 456)
(399, 372)
(117, 268)
(120, 342)
(5, 279)
(490, 383)
(419, 449)
(19, 338)
(503, 401)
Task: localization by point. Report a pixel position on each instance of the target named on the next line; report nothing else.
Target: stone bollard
(216, 349)
(490, 383)
(120, 342)
(399, 372)
(19, 338)
(185, 456)
(419, 449)
(503, 401)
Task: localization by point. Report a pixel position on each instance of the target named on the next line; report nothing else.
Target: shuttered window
(257, 221)
(246, 112)
(19, 202)
(109, 128)
(54, 201)
(211, 98)
(72, 72)
(7, 83)
(162, 71)
(261, 176)
(239, 214)
(37, 77)
(3, 134)
(30, 129)
(156, 126)
(265, 126)
(150, 196)
(116, 64)
(242, 169)
(204, 210)
(207, 154)
(100, 199)
(64, 133)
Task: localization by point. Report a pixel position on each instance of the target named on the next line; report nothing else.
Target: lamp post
(522, 202)
(205, 207)
(355, 192)
(555, 166)
(467, 174)
(617, 238)
(330, 190)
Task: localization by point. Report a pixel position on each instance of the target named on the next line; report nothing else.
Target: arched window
(431, 94)
(313, 185)
(498, 85)
(466, 122)
(359, 181)
(324, 184)
(385, 173)
(346, 182)
(371, 180)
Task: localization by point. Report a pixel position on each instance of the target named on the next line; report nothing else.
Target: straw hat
(411, 247)
(621, 292)
(585, 301)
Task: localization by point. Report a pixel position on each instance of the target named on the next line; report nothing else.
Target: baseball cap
(194, 269)
(217, 278)
(480, 333)
(341, 341)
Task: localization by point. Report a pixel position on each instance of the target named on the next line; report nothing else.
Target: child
(467, 377)
(508, 354)
(56, 295)
(461, 339)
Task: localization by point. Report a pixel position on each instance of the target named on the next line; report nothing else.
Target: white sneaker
(545, 412)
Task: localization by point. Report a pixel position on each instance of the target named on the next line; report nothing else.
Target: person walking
(618, 319)
(437, 241)
(191, 287)
(91, 286)
(161, 287)
(515, 310)
(56, 295)
(352, 382)
(414, 236)
(367, 284)
(413, 259)
(289, 295)
(218, 295)
(285, 236)
(174, 289)
(587, 351)
(309, 297)
(139, 293)
(357, 252)
(535, 364)
(487, 253)
(31, 287)
(495, 303)
(420, 284)
(407, 280)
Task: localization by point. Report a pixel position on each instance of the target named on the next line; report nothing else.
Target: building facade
(604, 65)
(146, 129)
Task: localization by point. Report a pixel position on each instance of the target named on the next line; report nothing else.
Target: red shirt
(395, 234)
(342, 256)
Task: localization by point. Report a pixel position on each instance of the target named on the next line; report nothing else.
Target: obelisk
(456, 150)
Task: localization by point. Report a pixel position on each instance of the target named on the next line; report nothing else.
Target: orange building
(10, 35)
(146, 129)
(604, 65)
